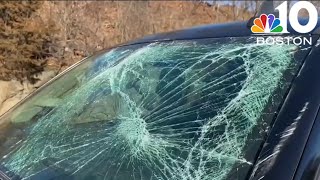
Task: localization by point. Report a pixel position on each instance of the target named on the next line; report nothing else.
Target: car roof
(198, 32)
(233, 29)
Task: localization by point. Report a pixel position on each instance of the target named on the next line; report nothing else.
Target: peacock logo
(266, 24)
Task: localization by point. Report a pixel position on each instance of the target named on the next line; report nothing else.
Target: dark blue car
(206, 103)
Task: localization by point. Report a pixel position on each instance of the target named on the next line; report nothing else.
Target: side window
(171, 110)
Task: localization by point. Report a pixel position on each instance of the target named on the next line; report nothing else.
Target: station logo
(269, 24)
(266, 24)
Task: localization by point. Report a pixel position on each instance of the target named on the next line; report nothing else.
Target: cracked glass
(192, 109)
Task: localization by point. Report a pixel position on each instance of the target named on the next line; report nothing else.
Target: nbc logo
(269, 24)
(266, 24)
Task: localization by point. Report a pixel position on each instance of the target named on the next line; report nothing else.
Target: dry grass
(88, 26)
(79, 28)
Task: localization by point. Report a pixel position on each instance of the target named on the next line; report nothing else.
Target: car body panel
(309, 166)
(282, 151)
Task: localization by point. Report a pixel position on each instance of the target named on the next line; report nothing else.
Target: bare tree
(133, 19)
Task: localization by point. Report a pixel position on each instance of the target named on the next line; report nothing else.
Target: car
(205, 103)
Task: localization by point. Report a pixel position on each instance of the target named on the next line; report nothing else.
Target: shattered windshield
(181, 110)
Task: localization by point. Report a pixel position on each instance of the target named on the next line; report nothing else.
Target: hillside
(40, 39)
